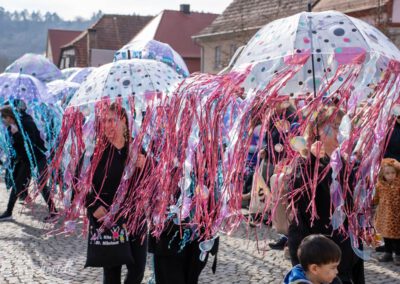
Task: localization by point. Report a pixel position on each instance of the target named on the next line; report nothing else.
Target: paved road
(27, 255)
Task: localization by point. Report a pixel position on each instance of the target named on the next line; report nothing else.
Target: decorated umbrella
(80, 75)
(21, 86)
(60, 92)
(133, 85)
(308, 62)
(189, 155)
(36, 65)
(155, 50)
(24, 93)
(67, 72)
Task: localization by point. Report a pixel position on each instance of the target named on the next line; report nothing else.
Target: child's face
(324, 273)
(389, 173)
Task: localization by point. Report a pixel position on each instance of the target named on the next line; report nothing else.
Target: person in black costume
(178, 257)
(28, 153)
(105, 182)
(323, 132)
(393, 148)
(177, 263)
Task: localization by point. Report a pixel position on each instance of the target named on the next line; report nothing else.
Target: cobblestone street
(28, 256)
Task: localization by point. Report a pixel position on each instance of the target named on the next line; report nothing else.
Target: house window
(68, 58)
(72, 61)
(217, 58)
(68, 61)
(232, 50)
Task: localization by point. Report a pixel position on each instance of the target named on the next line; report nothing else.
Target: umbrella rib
(352, 23)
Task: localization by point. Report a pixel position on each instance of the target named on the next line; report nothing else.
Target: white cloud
(68, 9)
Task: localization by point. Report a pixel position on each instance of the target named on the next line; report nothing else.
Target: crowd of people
(318, 252)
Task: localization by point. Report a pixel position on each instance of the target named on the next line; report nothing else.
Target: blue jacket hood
(296, 276)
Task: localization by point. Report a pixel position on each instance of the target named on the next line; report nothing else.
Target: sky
(69, 9)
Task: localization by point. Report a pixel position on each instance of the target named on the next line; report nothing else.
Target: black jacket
(322, 224)
(34, 143)
(107, 178)
(393, 148)
(351, 266)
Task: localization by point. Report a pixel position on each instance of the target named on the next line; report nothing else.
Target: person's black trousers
(181, 268)
(22, 177)
(392, 246)
(112, 275)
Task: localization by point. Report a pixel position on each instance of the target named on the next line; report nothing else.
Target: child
(319, 258)
(387, 197)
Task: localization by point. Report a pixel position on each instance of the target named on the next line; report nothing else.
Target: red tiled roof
(57, 39)
(111, 32)
(252, 14)
(114, 31)
(177, 28)
(346, 6)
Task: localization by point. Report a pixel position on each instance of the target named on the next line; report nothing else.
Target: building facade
(243, 18)
(97, 45)
(55, 40)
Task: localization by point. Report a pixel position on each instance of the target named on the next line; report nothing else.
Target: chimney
(91, 43)
(185, 8)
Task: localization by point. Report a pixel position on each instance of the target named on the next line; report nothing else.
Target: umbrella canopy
(155, 50)
(37, 66)
(67, 72)
(80, 75)
(21, 86)
(328, 39)
(143, 80)
(60, 91)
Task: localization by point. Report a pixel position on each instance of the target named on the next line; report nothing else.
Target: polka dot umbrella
(60, 92)
(36, 65)
(329, 40)
(67, 72)
(21, 86)
(155, 50)
(306, 63)
(135, 85)
(80, 75)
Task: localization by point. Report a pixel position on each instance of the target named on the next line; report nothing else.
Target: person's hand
(100, 212)
(13, 128)
(141, 160)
